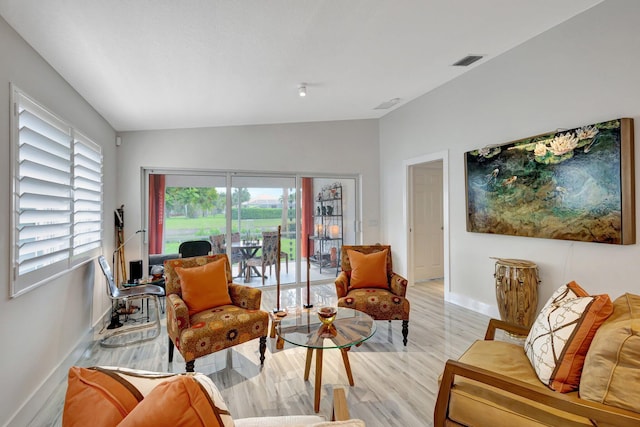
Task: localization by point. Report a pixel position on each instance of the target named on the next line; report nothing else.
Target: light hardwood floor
(394, 385)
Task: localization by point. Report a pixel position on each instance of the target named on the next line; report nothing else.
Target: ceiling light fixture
(302, 89)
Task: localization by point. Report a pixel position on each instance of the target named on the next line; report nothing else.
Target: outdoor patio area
(328, 274)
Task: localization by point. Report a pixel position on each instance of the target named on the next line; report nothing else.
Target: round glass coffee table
(304, 329)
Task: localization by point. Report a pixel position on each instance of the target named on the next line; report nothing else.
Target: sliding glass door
(236, 212)
(261, 203)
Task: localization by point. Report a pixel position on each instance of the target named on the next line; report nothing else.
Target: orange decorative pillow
(95, 398)
(368, 270)
(179, 401)
(204, 287)
(562, 333)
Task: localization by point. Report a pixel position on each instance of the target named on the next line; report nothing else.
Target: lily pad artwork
(575, 184)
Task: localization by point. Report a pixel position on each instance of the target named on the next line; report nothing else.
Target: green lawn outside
(180, 229)
(215, 222)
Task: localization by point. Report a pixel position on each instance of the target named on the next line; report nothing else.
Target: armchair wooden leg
(170, 350)
(263, 348)
(191, 366)
(405, 331)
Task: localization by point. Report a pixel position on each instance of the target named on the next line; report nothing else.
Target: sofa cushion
(204, 287)
(474, 403)
(561, 334)
(381, 304)
(220, 328)
(368, 270)
(611, 373)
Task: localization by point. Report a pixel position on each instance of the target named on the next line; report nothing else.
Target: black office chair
(127, 294)
(194, 248)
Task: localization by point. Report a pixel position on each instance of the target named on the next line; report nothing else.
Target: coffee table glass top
(303, 328)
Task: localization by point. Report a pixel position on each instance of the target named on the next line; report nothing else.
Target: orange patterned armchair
(197, 334)
(382, 299)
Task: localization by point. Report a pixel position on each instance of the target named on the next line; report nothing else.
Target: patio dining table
(248, 250)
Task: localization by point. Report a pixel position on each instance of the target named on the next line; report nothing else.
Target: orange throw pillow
(179, 401)
(204, 287)
(95, 398)
(368, 270)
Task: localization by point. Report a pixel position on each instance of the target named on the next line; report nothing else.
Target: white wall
(581, 72)
(41, 330)
(342, 147)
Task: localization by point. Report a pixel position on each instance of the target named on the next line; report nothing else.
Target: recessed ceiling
(158, 64)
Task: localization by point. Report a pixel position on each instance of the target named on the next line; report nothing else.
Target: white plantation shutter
(57, 196)
(87, 198)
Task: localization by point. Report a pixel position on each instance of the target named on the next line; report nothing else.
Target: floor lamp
(120, 252)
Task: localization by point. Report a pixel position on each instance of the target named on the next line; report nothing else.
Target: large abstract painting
(575, 184)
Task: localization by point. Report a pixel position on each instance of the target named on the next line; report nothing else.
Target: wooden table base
(272, 332)
(318, 379)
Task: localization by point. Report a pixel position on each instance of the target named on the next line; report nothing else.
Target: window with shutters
(57, 196)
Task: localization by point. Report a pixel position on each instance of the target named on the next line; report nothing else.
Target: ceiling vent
(467, 60)
(387, 104)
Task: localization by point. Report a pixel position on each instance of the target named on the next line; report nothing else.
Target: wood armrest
(340, 408)
(505, 326)
(584, 408)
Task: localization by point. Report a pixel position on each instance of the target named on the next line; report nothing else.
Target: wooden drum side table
(517, 290)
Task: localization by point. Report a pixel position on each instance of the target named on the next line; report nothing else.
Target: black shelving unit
(327, 228)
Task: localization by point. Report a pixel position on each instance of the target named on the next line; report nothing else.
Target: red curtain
(307, 213)
(156, 213)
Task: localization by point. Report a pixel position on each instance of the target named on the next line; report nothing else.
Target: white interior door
(428, 243)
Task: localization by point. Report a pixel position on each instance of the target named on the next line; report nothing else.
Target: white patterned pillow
(216, 398)
(560, 337)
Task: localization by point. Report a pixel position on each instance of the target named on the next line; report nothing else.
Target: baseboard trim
(471, 304)
(32, 406)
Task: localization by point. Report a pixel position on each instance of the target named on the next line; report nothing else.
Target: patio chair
(269, 257)
(193, 248)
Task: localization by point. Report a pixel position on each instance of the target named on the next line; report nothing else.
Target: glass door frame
(228, 176)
